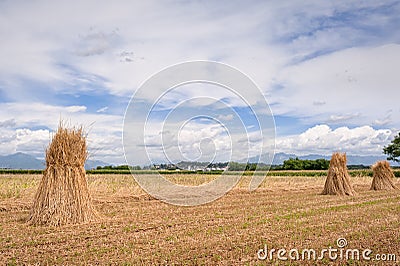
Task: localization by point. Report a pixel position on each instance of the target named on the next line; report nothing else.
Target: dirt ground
(136, 229)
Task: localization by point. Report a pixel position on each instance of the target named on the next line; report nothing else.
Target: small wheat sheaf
(383, 176)
(338, 179)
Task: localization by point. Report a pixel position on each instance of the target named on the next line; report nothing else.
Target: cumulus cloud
(191, 141)
(322, 139)
(104, 130)
(7, 141)
(199, 139)
(24, 140)
(105, 146)
(32, 141)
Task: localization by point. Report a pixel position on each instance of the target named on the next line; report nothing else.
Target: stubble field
(135, 229)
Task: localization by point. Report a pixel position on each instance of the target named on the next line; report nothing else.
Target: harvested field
(135, 229)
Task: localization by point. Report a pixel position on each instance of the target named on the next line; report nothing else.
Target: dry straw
(338, 179)
(382, 176)
(63, 196)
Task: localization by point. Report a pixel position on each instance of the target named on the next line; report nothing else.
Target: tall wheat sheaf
(63, 196)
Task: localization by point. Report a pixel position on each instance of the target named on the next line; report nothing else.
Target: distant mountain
(25, 161)
(92, 164)
(351, 159)
(20, 161)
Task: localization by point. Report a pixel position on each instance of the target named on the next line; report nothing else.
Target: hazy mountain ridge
(25, 161)
(21, 161)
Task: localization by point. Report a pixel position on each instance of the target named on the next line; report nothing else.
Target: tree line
(298, 164)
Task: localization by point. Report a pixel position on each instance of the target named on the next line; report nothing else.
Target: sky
(327, 69)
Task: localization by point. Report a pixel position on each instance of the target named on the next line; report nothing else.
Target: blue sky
(328, 69)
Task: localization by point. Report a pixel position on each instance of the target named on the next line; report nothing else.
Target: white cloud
(358, 84)
(75, 109)
(102, 110)
(321, 139)
(342, 118)
(227, 117)
(46, 114)
(382, 122)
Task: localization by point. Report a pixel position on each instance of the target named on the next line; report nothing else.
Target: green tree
(234, 166)
(297, 164)
(293, 164)
(393, 150)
